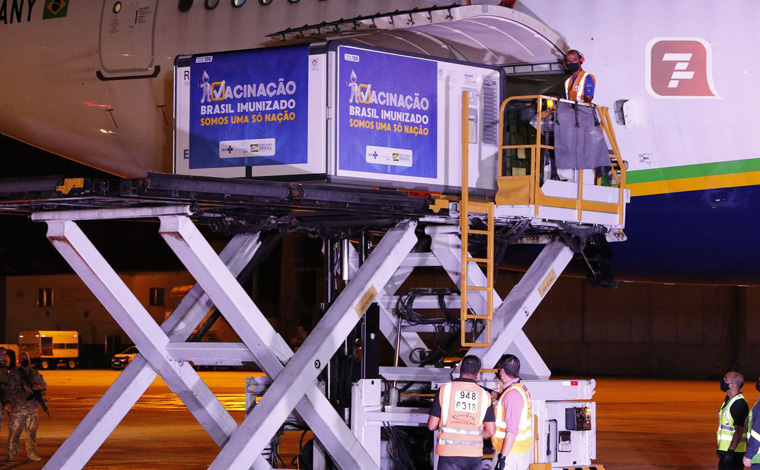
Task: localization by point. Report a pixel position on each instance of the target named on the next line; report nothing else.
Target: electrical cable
(405, 310)
(443, 347)
(296, 462)
(385, 392)
(405, 387)
(420, 352)
(397, 448)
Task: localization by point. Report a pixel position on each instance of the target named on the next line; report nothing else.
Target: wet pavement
(642, 424)
(658, 424)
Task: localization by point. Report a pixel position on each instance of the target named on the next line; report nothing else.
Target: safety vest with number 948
(466, 401)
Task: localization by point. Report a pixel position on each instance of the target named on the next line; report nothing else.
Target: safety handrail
(616, 161)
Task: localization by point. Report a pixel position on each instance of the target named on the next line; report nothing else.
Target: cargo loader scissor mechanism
(408, 234)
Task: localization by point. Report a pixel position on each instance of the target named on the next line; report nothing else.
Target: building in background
(639, 329)
(63, 302)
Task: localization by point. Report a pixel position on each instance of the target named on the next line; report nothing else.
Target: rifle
(37, 395)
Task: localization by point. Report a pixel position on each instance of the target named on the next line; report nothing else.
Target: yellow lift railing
(526, 189)
(467, 207)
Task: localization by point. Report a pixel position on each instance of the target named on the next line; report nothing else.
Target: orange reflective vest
(463, 409)
(524, 439)
(575, 91)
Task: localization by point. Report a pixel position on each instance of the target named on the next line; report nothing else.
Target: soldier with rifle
(3, 384)
(25, 392)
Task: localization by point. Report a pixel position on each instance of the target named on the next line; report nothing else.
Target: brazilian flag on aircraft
(55, 9)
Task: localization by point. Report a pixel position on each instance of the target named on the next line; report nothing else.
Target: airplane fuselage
(94, 82)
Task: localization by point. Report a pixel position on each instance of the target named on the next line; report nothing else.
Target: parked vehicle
(122, 360)
(49, 348)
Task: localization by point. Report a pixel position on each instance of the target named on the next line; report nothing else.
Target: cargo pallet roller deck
(387, 200)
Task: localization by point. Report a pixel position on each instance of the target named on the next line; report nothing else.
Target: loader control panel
(578, 419)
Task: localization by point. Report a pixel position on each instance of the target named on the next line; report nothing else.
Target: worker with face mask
(3, 383)
(513, 440)
(580, 86)
(732, 422)
(752, 455)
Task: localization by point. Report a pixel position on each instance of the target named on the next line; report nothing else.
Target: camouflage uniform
(23, 411)
(3, 389)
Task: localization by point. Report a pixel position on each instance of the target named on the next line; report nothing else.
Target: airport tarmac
(642, 423)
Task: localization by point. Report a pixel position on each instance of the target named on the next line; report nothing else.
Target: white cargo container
(48, 348)
(337, 112)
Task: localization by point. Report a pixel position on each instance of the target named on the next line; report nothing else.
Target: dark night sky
(128, 246)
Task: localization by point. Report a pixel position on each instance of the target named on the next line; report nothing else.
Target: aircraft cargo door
(126, 39)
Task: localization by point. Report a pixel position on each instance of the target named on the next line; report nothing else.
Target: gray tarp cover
(578, 147)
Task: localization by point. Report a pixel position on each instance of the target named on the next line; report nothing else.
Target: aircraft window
(185, 5)
(239, 3)
(211, 4)
(265, 2)
(117, 7)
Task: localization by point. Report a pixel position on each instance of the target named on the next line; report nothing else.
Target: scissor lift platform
(421, 230)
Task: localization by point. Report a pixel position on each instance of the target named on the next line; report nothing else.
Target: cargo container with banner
(339, 113)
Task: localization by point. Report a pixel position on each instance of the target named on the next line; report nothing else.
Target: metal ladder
(467, 207)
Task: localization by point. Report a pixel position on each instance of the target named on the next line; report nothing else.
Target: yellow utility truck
(48, 348)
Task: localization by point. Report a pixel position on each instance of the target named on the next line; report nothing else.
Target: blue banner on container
(249, 108)
(387, 113)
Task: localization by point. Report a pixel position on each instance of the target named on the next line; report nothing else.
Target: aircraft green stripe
(693, 171)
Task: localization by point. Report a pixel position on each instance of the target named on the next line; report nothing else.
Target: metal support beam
(150, 340)
(423, 302)
(522, 301)
(112, 214)
(421, 259)
(302, 370)
(211, 354)
(366, 392)
(132, 383)
(532, 366)
(389, 322)
(507, 335)
(410, 340)
(269, 349)
(447, 248)
(417, 374)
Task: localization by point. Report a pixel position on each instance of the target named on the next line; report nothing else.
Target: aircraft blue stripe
(708, 236)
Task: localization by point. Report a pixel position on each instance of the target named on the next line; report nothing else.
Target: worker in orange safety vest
(463, 416)
(513, 439)
(580, 86)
